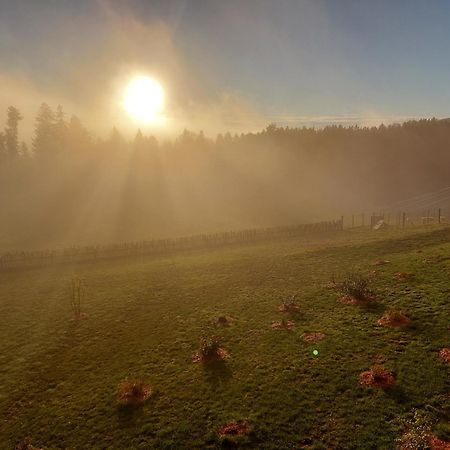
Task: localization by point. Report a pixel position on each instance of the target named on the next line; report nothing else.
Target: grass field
(146, 317)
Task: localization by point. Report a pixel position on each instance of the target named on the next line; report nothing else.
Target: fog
(72, 189)
(84, 175)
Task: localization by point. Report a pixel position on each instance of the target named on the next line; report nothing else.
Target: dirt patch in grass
(210, 351)
(438, 444)
(283, 324)
(378, 377)
(223, 321)
(133, 392)
(234, 429)
(313, 336)
(380, 262)
(394, 318)
(444, 354)
(404, 276)
(349, 300)
(26, 444)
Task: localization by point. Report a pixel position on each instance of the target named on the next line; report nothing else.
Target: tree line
(69, 186)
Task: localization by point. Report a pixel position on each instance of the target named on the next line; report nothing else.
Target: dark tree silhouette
(116, 189)
(11, 135)
(45, 141)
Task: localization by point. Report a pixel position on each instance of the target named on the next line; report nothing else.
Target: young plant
(133, 392)
(77, 295)
(356, 286)
(210, 348)
(289, 305)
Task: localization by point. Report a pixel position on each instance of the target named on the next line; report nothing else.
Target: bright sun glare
(144, 99)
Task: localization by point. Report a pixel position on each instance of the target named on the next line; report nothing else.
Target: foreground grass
(58, 377)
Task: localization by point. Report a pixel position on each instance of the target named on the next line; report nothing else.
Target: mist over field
(289, 129)
(71, 189)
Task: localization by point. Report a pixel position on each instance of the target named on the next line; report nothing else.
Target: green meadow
(146, 317)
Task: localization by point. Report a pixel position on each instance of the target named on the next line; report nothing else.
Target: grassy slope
(146, 317)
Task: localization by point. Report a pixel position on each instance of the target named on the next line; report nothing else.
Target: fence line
(158, 246)
(402, 219)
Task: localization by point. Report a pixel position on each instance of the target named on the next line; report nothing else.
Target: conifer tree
(44, 136)
(11, 135)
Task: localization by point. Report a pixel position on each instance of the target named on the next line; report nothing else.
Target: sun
(144, 99)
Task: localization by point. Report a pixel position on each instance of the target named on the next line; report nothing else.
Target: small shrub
(210, 347)
(356, 286)
(289, 305)
(210, 350)
(133, 392)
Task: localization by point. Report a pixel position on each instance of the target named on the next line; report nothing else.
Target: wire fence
(13, 260)
(402, 219)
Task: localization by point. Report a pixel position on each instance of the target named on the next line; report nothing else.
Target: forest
(70, 187)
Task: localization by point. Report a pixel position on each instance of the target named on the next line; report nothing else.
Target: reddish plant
(239, 428)
(133, 392)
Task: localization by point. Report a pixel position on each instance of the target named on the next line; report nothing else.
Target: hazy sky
(236, 64)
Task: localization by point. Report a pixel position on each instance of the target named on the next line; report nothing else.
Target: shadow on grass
(129, 413)
(398, 394)
(217, 372)
(373, 308)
